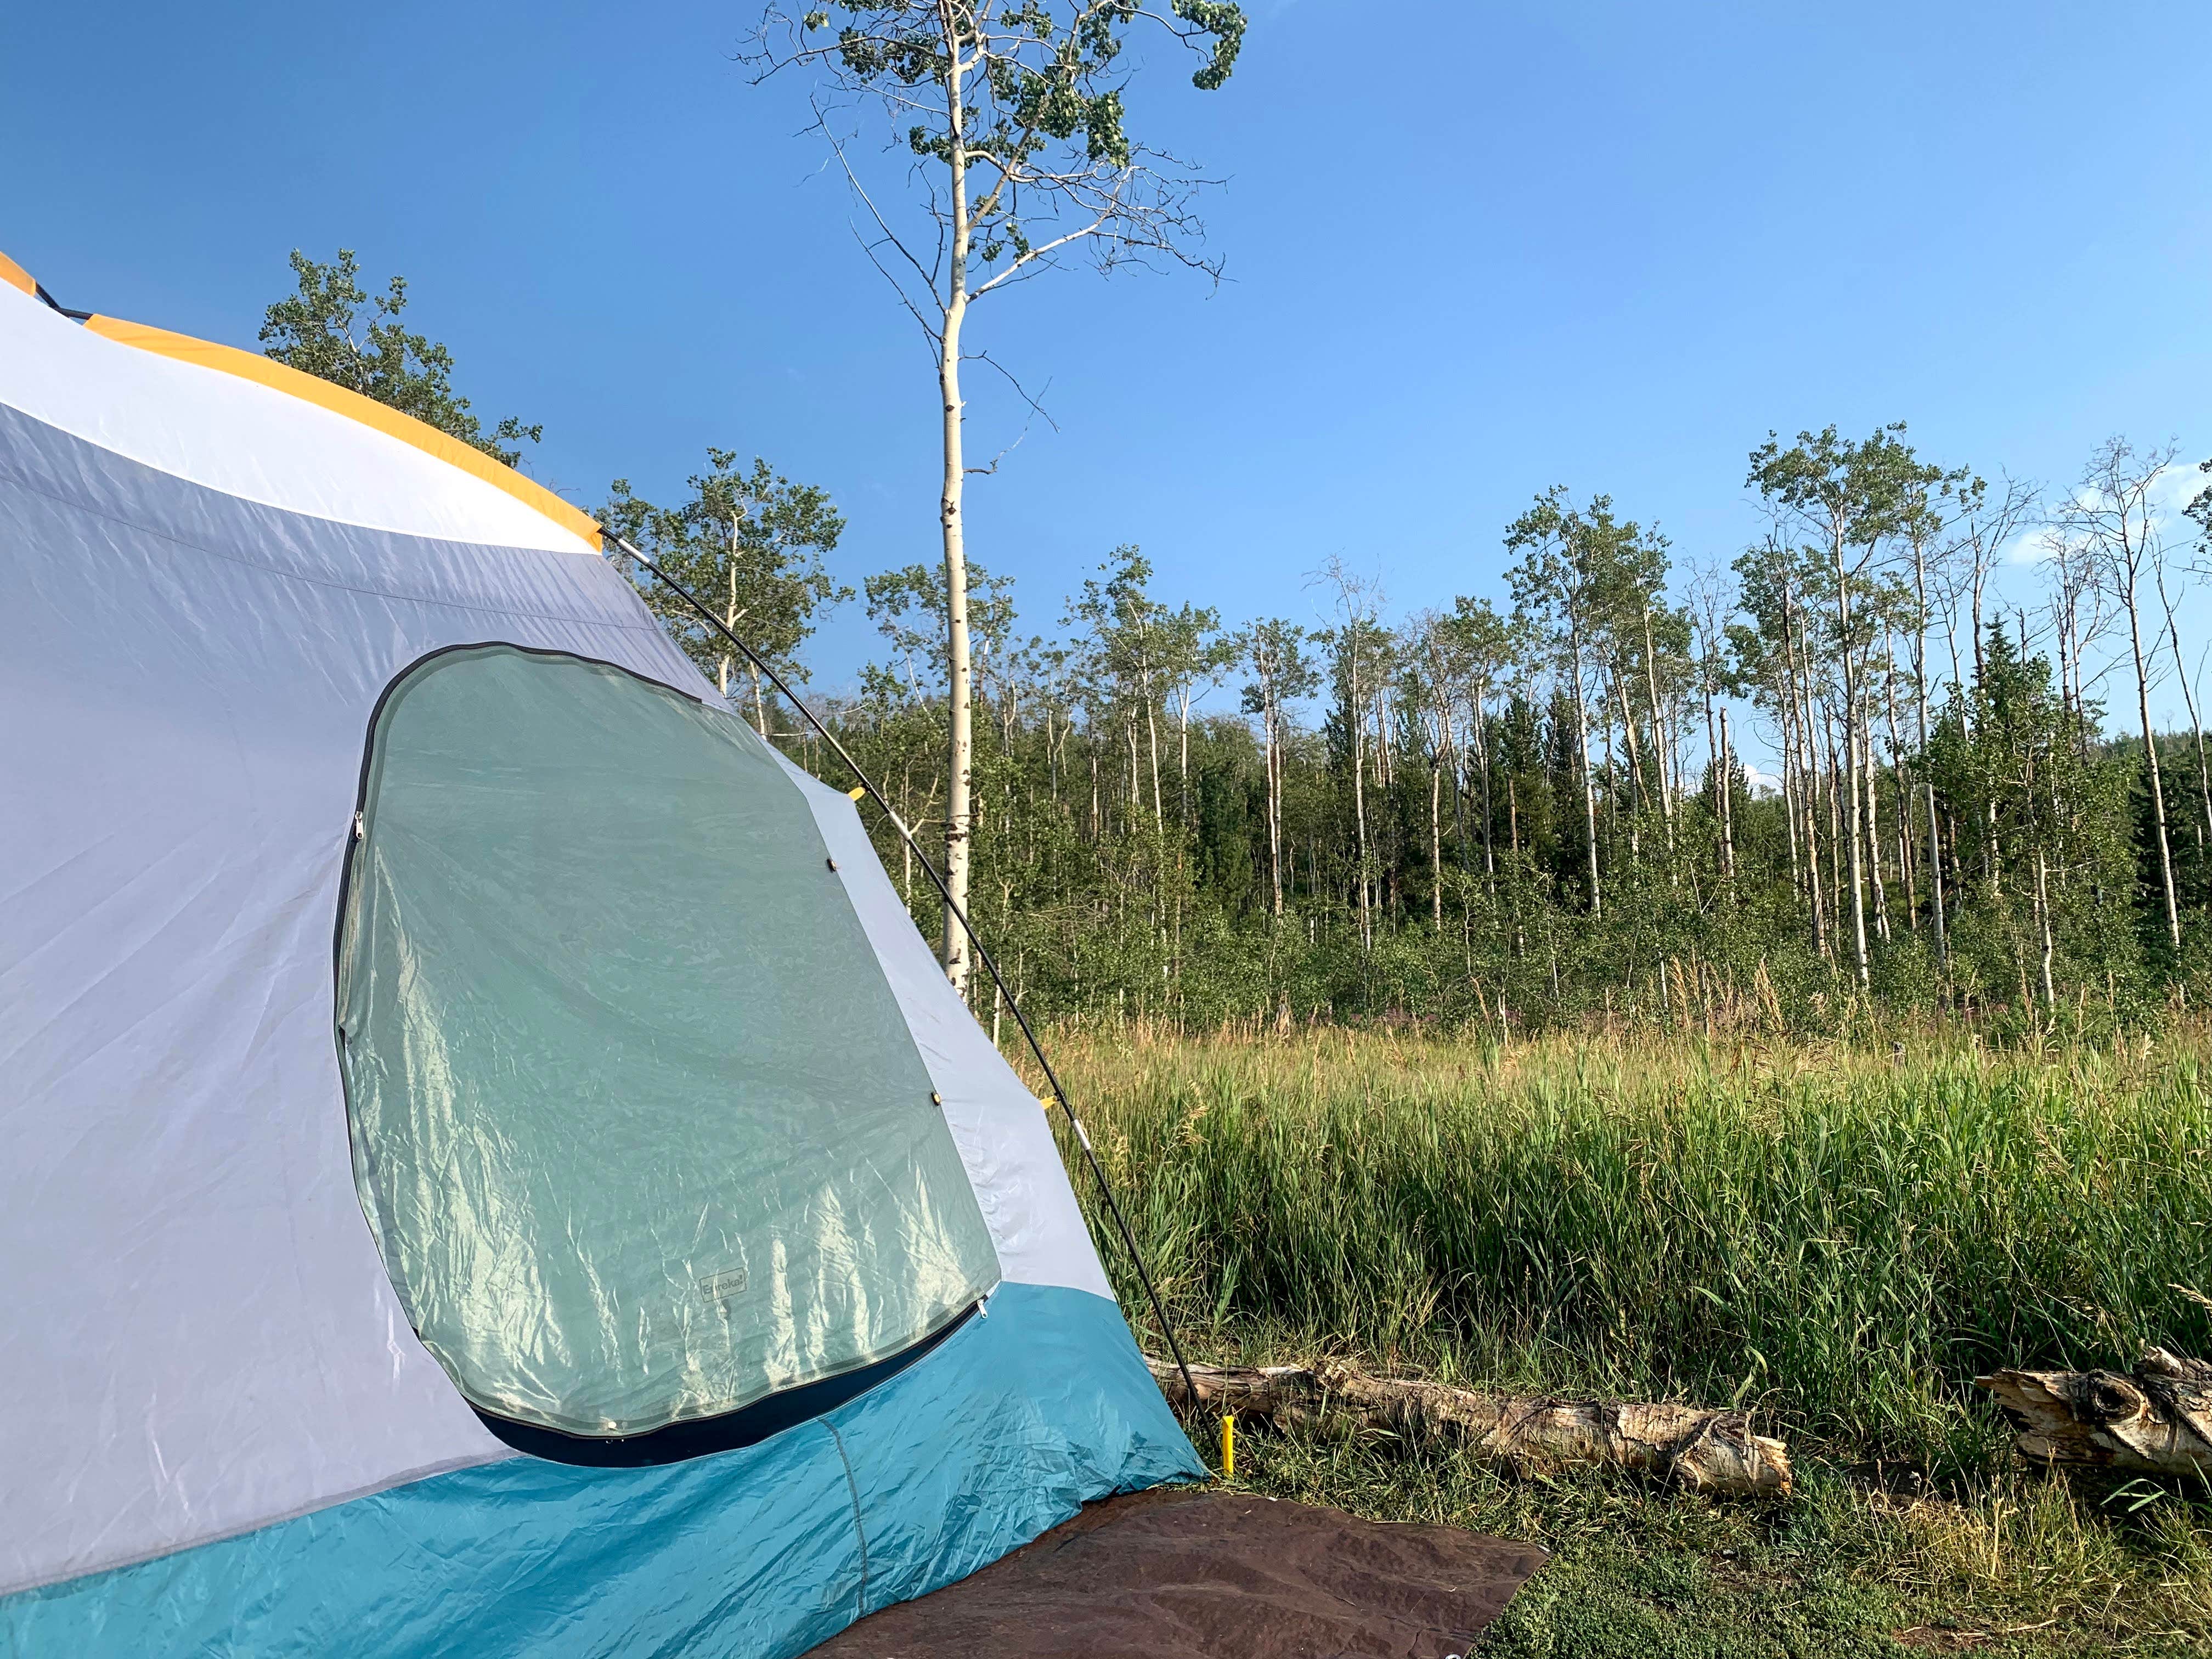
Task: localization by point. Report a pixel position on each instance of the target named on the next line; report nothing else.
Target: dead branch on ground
(1697, 1448)
(2157, 1421)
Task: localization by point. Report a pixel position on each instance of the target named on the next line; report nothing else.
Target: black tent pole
(982, 951)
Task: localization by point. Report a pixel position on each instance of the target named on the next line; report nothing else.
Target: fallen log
(2156, 1421)
(1699, 1449)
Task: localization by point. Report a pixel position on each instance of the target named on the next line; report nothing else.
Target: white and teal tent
(491, 1168)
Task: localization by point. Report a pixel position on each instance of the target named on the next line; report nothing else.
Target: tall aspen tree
(2112, 515)
(1011, 114)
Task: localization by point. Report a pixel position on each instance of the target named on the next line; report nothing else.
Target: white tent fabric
(200, 1335)
(1003, 1133)
(246, 439)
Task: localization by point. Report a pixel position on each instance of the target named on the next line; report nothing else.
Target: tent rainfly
(491, 1167)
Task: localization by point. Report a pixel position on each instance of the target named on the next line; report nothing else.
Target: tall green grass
(1842, 1238)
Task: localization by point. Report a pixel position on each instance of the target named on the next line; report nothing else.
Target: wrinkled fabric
(200, 1335)
(1003, 1131)
(1004, 1431)
(638, 1124)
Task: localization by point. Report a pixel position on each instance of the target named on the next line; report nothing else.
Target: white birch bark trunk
(2189, 699)
(959, 669)
(1851, 766)
(1728, 801)
(1437, 843)
(2150, 758)
(1799, 695)
(1659, 743)
(1920, 693)
(1590, 786)
(1357, 710)
(1273, 721)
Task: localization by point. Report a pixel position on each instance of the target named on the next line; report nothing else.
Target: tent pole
(982, 951)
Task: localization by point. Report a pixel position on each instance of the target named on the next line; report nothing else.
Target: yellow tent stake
(1229, 1448)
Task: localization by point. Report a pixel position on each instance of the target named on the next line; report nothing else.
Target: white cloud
(2179, 486)
(2169, 498)
(2029, 547)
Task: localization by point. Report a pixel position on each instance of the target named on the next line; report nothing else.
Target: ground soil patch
(1190, 1575)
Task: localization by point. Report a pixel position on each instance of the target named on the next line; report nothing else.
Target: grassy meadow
(1839, 1237)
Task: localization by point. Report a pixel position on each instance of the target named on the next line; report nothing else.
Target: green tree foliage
(1507, 820)
(331, 327)
(2041, 822)
(1518, 820)
(749, 543)
(907, 608)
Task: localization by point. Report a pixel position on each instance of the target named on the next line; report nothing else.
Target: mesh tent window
(637, 1121)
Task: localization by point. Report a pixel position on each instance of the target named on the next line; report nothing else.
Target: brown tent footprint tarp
(1193, 1575)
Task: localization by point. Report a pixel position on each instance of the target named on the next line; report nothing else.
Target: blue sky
(1472, 250)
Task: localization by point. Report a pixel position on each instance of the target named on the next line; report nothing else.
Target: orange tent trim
(266, 371)
(12, 273)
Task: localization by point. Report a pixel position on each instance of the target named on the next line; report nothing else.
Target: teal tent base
(1003, 1431)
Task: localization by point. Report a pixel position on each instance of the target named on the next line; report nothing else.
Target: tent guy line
(982, 951)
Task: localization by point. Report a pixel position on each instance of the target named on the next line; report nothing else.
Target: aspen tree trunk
(2150, 757)
(1482, 759)
(1390, 896)
(1799, 695)
(1639, 788)
(1447, 753)
(1727, 804)
(1920, 691)
(1951, 639)
(1590, 786)
(1873, 829)
(729, 620)
(1357, 709)
(1658, 738)
(1136, 794)
(1837, 825)
(958, 666)
(1712, 741)
(1897, 782)
(1458, 792)
(1182, 751)
(1908, 857)
(1980, 578)
(2189, 697)
(2043, 920)
(2080, 695)
(1153, 737)
(1788, 704)
(760, 705)
(1614, 789)
(1791, 789)
(1444, 753)
(1935, 880)
(1436, 843)
(1271, 718)
(1851, 762)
